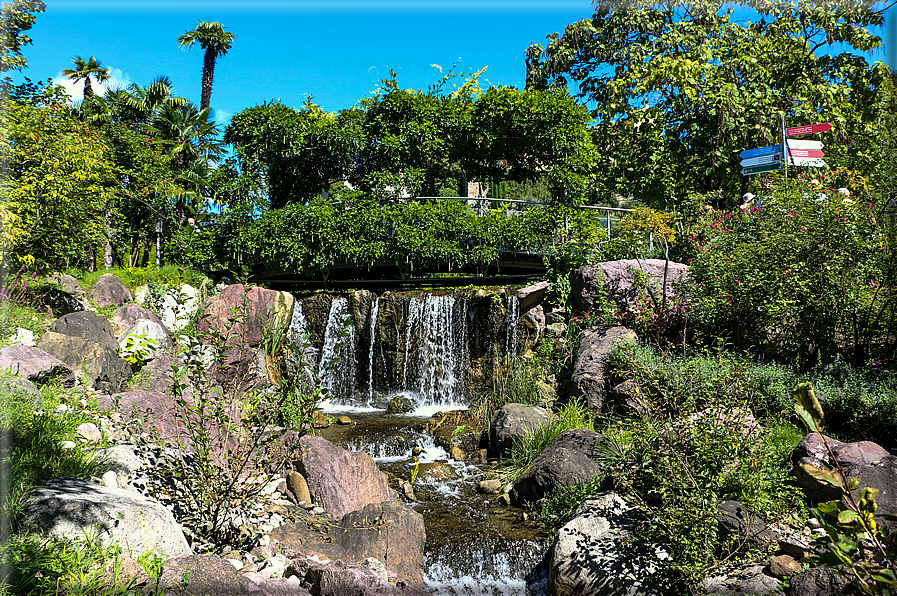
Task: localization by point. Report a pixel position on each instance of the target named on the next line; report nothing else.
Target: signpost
(789, 152)
(802, 144)
(807, 130)
(805, 153)
(771, 167)
(762, 159)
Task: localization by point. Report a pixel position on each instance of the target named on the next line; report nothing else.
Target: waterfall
(513, 308)
(375, 309)
(435, 367)
(337, 366)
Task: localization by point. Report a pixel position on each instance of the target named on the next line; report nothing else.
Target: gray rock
(67, 507)
(514, 421)
(590, 374)
(67, 283)
(59, 302)
(100, 366)
(142, 330)
(531, 295)
(564, 462)
(87, 325)
(19, 385)
(108, 290)
(592, 554)
(340, 578)
(129, 314)
(22, 336)
(742, 581)
(125, 461)
(749, 529)
(35, 365)
(616, 280)
(822, 581)
(211, 575)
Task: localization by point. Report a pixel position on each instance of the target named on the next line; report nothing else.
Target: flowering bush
(804, 274)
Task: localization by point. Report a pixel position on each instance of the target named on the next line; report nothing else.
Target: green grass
(515, 383)
(134, 277)
(524, 450)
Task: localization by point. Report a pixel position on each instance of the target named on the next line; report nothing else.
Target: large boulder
(590, 375)
(867, 461)
(67, 283)
(748, 529)
(340, 481)
(36, 365)
(100, 366)
(129, 314)
(532, 295)
(593, 555)
(69, 507)
(86, 325)
(109, 291)
(59, 302)
(142, 330)
(177, 305)
(514, 421)
(564, 462)
(390, 531)
(256, 308)
(822, 581)
(617, 281)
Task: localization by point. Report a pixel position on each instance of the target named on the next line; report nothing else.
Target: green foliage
(854, 539)
(805, 268)
(515, 382)
(137, 349)
(569, 416)
(169, 276)
(560, 505)
(16, 17)
(35, 454)
(672, 110)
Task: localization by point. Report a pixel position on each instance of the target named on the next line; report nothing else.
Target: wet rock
(400, 405)
(340, 480)
(347, 579)
(592, 554)
(66, 507)
(320, 420)
(108, 290)
(480, 456)
(99, 365)
(344, 420)
(86, 325)
(616, 280)
(513, 421)
(564, 462)
(489, 487)
(436, 471)
(408, 491)
(457, 454)
(590, 374)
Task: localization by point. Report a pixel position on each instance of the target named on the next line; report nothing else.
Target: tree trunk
(208, 73)
(108, 243)
(88, 90)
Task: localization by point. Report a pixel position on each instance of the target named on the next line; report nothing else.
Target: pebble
(318, 511)
(237, 563)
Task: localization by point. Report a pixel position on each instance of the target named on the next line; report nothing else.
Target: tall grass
(526, 449)
(514, 382)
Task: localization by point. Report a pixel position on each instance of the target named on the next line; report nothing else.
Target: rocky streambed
(476, 543)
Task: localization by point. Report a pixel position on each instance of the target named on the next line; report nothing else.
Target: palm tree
(86, 70)
(216, 42)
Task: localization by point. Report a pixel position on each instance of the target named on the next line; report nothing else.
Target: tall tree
(679, 88)
(216, 42)
(85, 70)
(16, 17)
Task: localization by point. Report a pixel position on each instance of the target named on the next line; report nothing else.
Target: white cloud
(75, 89)
(222, 117)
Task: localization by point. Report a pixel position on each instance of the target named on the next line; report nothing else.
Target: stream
(421, 347)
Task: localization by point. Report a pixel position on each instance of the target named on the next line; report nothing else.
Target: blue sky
(336, 51)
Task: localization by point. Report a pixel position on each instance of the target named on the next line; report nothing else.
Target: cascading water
(375, 310)
(435, 366)
(513, 309)
(336, 368)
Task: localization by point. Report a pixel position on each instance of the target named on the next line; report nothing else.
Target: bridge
(509, 267)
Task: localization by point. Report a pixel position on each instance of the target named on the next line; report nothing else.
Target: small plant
(137, 351)
(853, 538)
